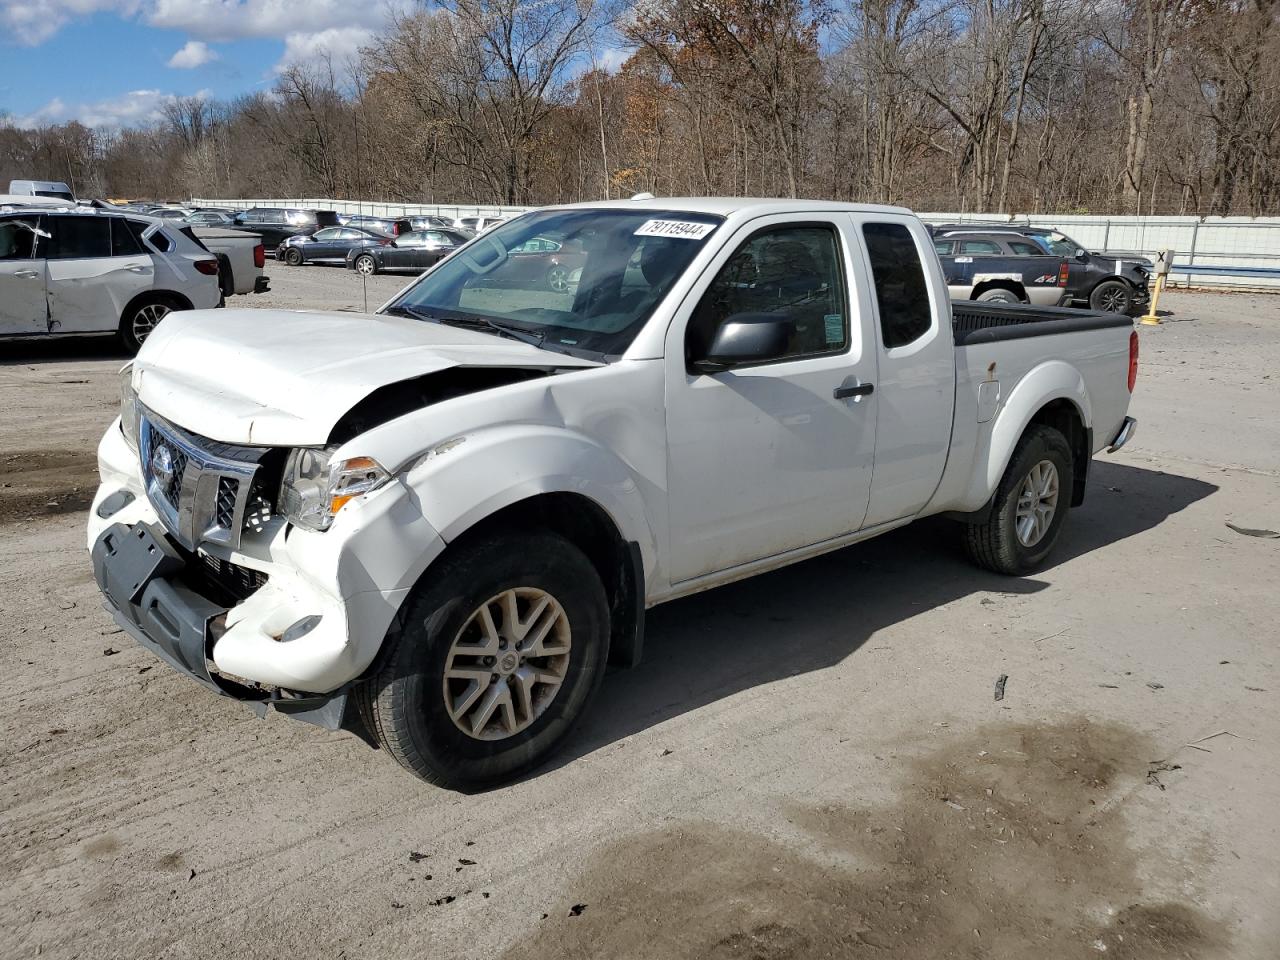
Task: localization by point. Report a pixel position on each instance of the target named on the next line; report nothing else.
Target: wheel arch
(147, 296)
(588, 526)
(1014, 287)
(1053, 394)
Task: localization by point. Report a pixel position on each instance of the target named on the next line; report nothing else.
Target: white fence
(1196, 242)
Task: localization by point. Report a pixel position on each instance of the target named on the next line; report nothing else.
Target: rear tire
(1111, 296)
(293, 257)
(999, 295)
(141, 318)
(1018, 535)
(426, 701)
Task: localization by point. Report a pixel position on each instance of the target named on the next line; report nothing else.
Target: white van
(70, 271)
(42, 188)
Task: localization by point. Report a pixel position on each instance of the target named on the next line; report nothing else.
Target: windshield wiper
(534, 338)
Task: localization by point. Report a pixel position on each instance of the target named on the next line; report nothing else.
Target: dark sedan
(410, 251)
(546, 262)
(330, 245)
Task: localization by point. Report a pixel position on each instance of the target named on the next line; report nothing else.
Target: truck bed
(974, 322)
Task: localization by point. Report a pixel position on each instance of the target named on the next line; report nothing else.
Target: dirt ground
(810, 764)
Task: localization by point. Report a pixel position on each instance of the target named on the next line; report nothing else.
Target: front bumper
(141, 575)
(353, 578)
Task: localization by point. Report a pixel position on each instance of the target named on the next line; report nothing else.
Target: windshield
(578, 280)
(1059, 244)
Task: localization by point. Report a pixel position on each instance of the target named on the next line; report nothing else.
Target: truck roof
(725, 206)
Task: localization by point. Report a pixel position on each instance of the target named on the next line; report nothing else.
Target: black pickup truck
(1037, 265)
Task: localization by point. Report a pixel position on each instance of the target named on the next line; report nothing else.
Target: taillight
(259, 256)
(208, 267)
(385, 241)
(1064, 272)
(1133, 359)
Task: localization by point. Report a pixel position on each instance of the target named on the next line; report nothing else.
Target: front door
(23, 308)
(765, 459)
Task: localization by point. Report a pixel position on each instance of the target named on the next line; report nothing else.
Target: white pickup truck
(436, 524)
(241, 259)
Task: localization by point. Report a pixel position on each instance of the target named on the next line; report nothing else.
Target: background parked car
(210, 218)
(391, 226)
(415, 251)
(478, 224)
(90, 272)
(1114, 282)
(276, 224)
(42, 188)
(1007, 268)
(432, 223)
(330, 245)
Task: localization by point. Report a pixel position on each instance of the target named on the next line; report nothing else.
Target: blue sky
(114, 62)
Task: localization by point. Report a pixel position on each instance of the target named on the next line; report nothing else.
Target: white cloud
(135, 108)
(339, 43)
(32, 22)
(610, 59)
(195, 53)
(223, 20)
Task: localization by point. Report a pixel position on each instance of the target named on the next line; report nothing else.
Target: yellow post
(1150, 316)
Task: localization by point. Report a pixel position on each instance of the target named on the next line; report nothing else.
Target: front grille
(224, 510)
(199, 487)
(229, 581)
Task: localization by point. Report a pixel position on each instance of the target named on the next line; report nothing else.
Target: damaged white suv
(439, 522)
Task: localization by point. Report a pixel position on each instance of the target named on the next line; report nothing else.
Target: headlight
(128, 407)
(315, 486)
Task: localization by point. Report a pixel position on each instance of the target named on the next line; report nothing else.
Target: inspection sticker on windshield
(680, 229)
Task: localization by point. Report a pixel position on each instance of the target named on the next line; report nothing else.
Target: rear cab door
(23, 307)
(915, 389)
(95, 267)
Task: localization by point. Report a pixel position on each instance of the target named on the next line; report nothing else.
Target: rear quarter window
(902, 293)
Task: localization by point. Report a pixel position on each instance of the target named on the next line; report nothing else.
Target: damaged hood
(285, 377)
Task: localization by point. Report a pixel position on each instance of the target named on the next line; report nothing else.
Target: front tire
(1111, 296)
(1030, 506)
(293, 257)
(366, 265)
(491, 662)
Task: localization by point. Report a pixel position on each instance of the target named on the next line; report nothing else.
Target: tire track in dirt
(40, 483)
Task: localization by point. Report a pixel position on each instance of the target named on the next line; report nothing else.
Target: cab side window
(1024, 249)
(980, 247)
(793, 272)
(17, 241)
(79, 237)
(902, 293)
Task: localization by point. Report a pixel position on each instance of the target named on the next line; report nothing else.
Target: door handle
(26, 274)
(856, 390)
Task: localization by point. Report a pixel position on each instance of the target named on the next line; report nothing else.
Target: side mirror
(745, 338)
(1081, 255)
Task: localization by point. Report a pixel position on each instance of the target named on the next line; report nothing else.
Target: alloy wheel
(507, 663)
(1037, 503)
(146, 318)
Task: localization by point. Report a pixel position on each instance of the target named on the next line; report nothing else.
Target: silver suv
(67, 272)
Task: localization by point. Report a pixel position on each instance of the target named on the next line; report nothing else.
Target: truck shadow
(818, 613)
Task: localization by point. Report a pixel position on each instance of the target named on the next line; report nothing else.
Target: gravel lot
(808, 764)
